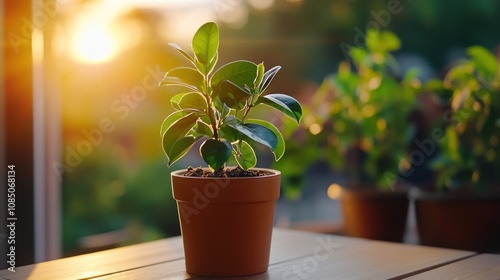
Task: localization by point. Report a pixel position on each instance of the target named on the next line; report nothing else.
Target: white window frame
(47, 145)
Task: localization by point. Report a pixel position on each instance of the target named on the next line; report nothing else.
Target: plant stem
(210, 110)
(249, 105)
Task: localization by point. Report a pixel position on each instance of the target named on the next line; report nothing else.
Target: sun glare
(93, 44)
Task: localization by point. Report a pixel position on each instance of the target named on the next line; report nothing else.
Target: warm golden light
(475, 176)
(93, 44)
(261, 4)
(368, 111)
(404, 165)
(334, 191)
(315, 129)
(366, 144)
(381, 124)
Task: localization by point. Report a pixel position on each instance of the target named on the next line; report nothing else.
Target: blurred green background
(121, 185)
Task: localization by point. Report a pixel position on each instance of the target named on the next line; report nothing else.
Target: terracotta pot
(373, 214)
(459, 221)
(226, 223)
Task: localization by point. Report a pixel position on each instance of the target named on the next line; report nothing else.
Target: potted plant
(462, 208)
(226, 214)
(362, 116)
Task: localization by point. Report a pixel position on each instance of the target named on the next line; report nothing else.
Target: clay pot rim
(371, 189)
(425, 195)
(373, 194)
(227, 189)
(272, 172)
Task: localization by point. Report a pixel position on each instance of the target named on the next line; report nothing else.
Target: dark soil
(226, 172)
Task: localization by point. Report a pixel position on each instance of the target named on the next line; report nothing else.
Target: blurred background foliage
(106, 50)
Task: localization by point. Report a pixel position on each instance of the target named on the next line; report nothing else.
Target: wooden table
(295, 255)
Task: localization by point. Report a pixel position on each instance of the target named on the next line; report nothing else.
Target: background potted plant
(462, 208)
(361, 116)
(226, 214)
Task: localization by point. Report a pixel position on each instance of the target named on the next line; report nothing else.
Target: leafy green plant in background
(101, 196)
(363, 114)
(216, 103)
(79, 190)
(469, 151)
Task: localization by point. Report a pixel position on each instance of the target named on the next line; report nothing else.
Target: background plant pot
(373, 214)
(226, 223)
(460, 221)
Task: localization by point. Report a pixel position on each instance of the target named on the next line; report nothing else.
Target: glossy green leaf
(203, 128)
(185, 77)
(245, 157)
(225, 110)
(183, 52)
(229, 133)
(205, 44)
(268, 77)
(170, 120)
(180, 148)
(284, 103)
(192, 100)
(257, 133)
(211, 65)
(177, 130)
(174, 101)
(216, 152)
(279, 150)
(260, 74)
(232, 95)
(240, 73)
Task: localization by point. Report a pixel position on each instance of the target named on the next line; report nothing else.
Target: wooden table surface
(295, 255)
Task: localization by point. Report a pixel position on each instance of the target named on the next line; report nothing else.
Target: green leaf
(231, 95)
(185, 77)
(358, 55)
(216, 152)
(225, 110)
(382, 42)
(202, 128)
(174, 101)
(257, 133)
(484, 60)
(268, 77)
(390, 40)
(229, 133)
(260, 75)
(177, 130)
(205, 45)
(170, 120)
(212, 63)
(284, 103)
(180, 148)
(246, 157)
(279, 150)
(183, 52)
(240, 73)
(192, 100)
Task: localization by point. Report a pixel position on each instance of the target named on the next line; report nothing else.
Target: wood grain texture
(480, 267)
(101, 263)
(371, 260)
(286, 246)
(295, 255)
